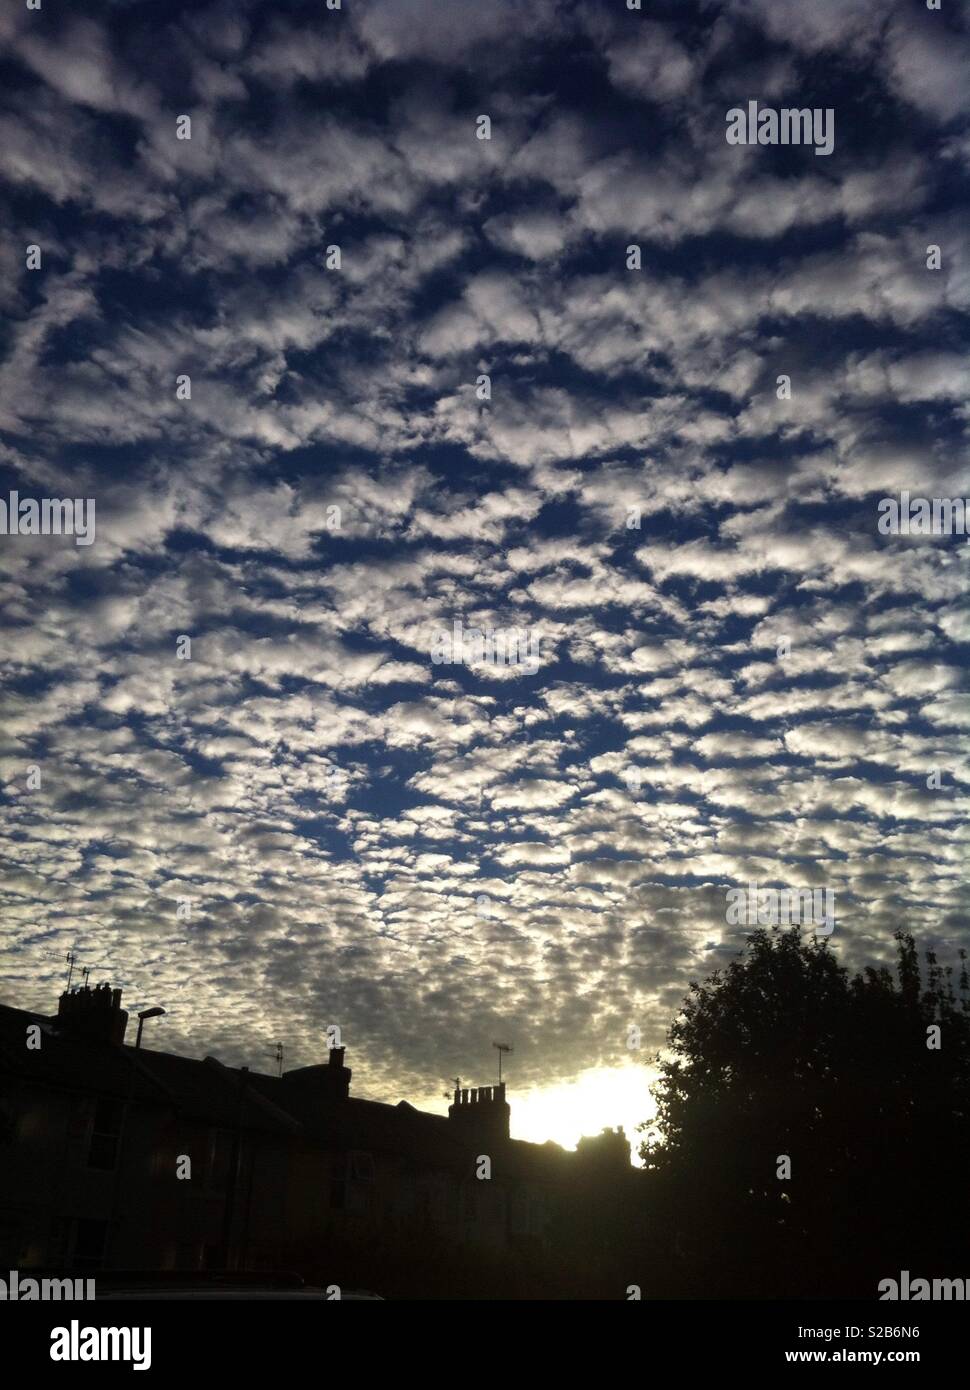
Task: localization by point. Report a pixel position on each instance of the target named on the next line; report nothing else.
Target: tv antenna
(500, 1048)
(278, 1054)
(71, 959)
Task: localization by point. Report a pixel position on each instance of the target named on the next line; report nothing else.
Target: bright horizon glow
(597, 1098)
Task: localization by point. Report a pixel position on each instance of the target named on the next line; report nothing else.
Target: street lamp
(123, 1145)
(146, 1013)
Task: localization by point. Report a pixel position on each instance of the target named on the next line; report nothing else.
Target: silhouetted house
(117, 1157)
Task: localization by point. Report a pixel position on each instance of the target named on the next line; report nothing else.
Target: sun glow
(597, 1098)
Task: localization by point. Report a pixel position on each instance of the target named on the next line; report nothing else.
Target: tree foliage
(785, 1055)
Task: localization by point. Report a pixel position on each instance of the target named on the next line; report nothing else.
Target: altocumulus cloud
(340, 372)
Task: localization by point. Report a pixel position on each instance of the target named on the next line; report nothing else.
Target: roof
(204, 1089)
(229, 1096)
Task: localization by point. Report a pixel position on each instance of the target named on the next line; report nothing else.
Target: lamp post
(146, 1013)
(123, 1131)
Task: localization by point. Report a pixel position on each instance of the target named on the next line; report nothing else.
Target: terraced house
(120, 1157)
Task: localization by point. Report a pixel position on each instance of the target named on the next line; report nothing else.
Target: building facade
(121, 1157)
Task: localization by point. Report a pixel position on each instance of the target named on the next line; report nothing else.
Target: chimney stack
(94, 1014)
(481, 1114)
(611, 1149)
(319, 1085)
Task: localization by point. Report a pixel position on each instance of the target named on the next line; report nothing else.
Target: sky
(340, 372)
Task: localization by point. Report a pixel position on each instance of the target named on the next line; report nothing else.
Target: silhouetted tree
(783, 1061)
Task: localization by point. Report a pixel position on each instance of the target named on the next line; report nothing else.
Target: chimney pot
(481, 1113)
(95, 1014)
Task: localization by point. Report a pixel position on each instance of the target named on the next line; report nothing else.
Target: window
(105, 1134)
(188, 1255)
(8, 1124)
(90, 1238)
(352, 1183)
(220, 1157)
(519, 1213)
(361, 1167)
(537, 1216)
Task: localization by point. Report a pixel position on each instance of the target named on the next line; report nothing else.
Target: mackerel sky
(430, 856)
